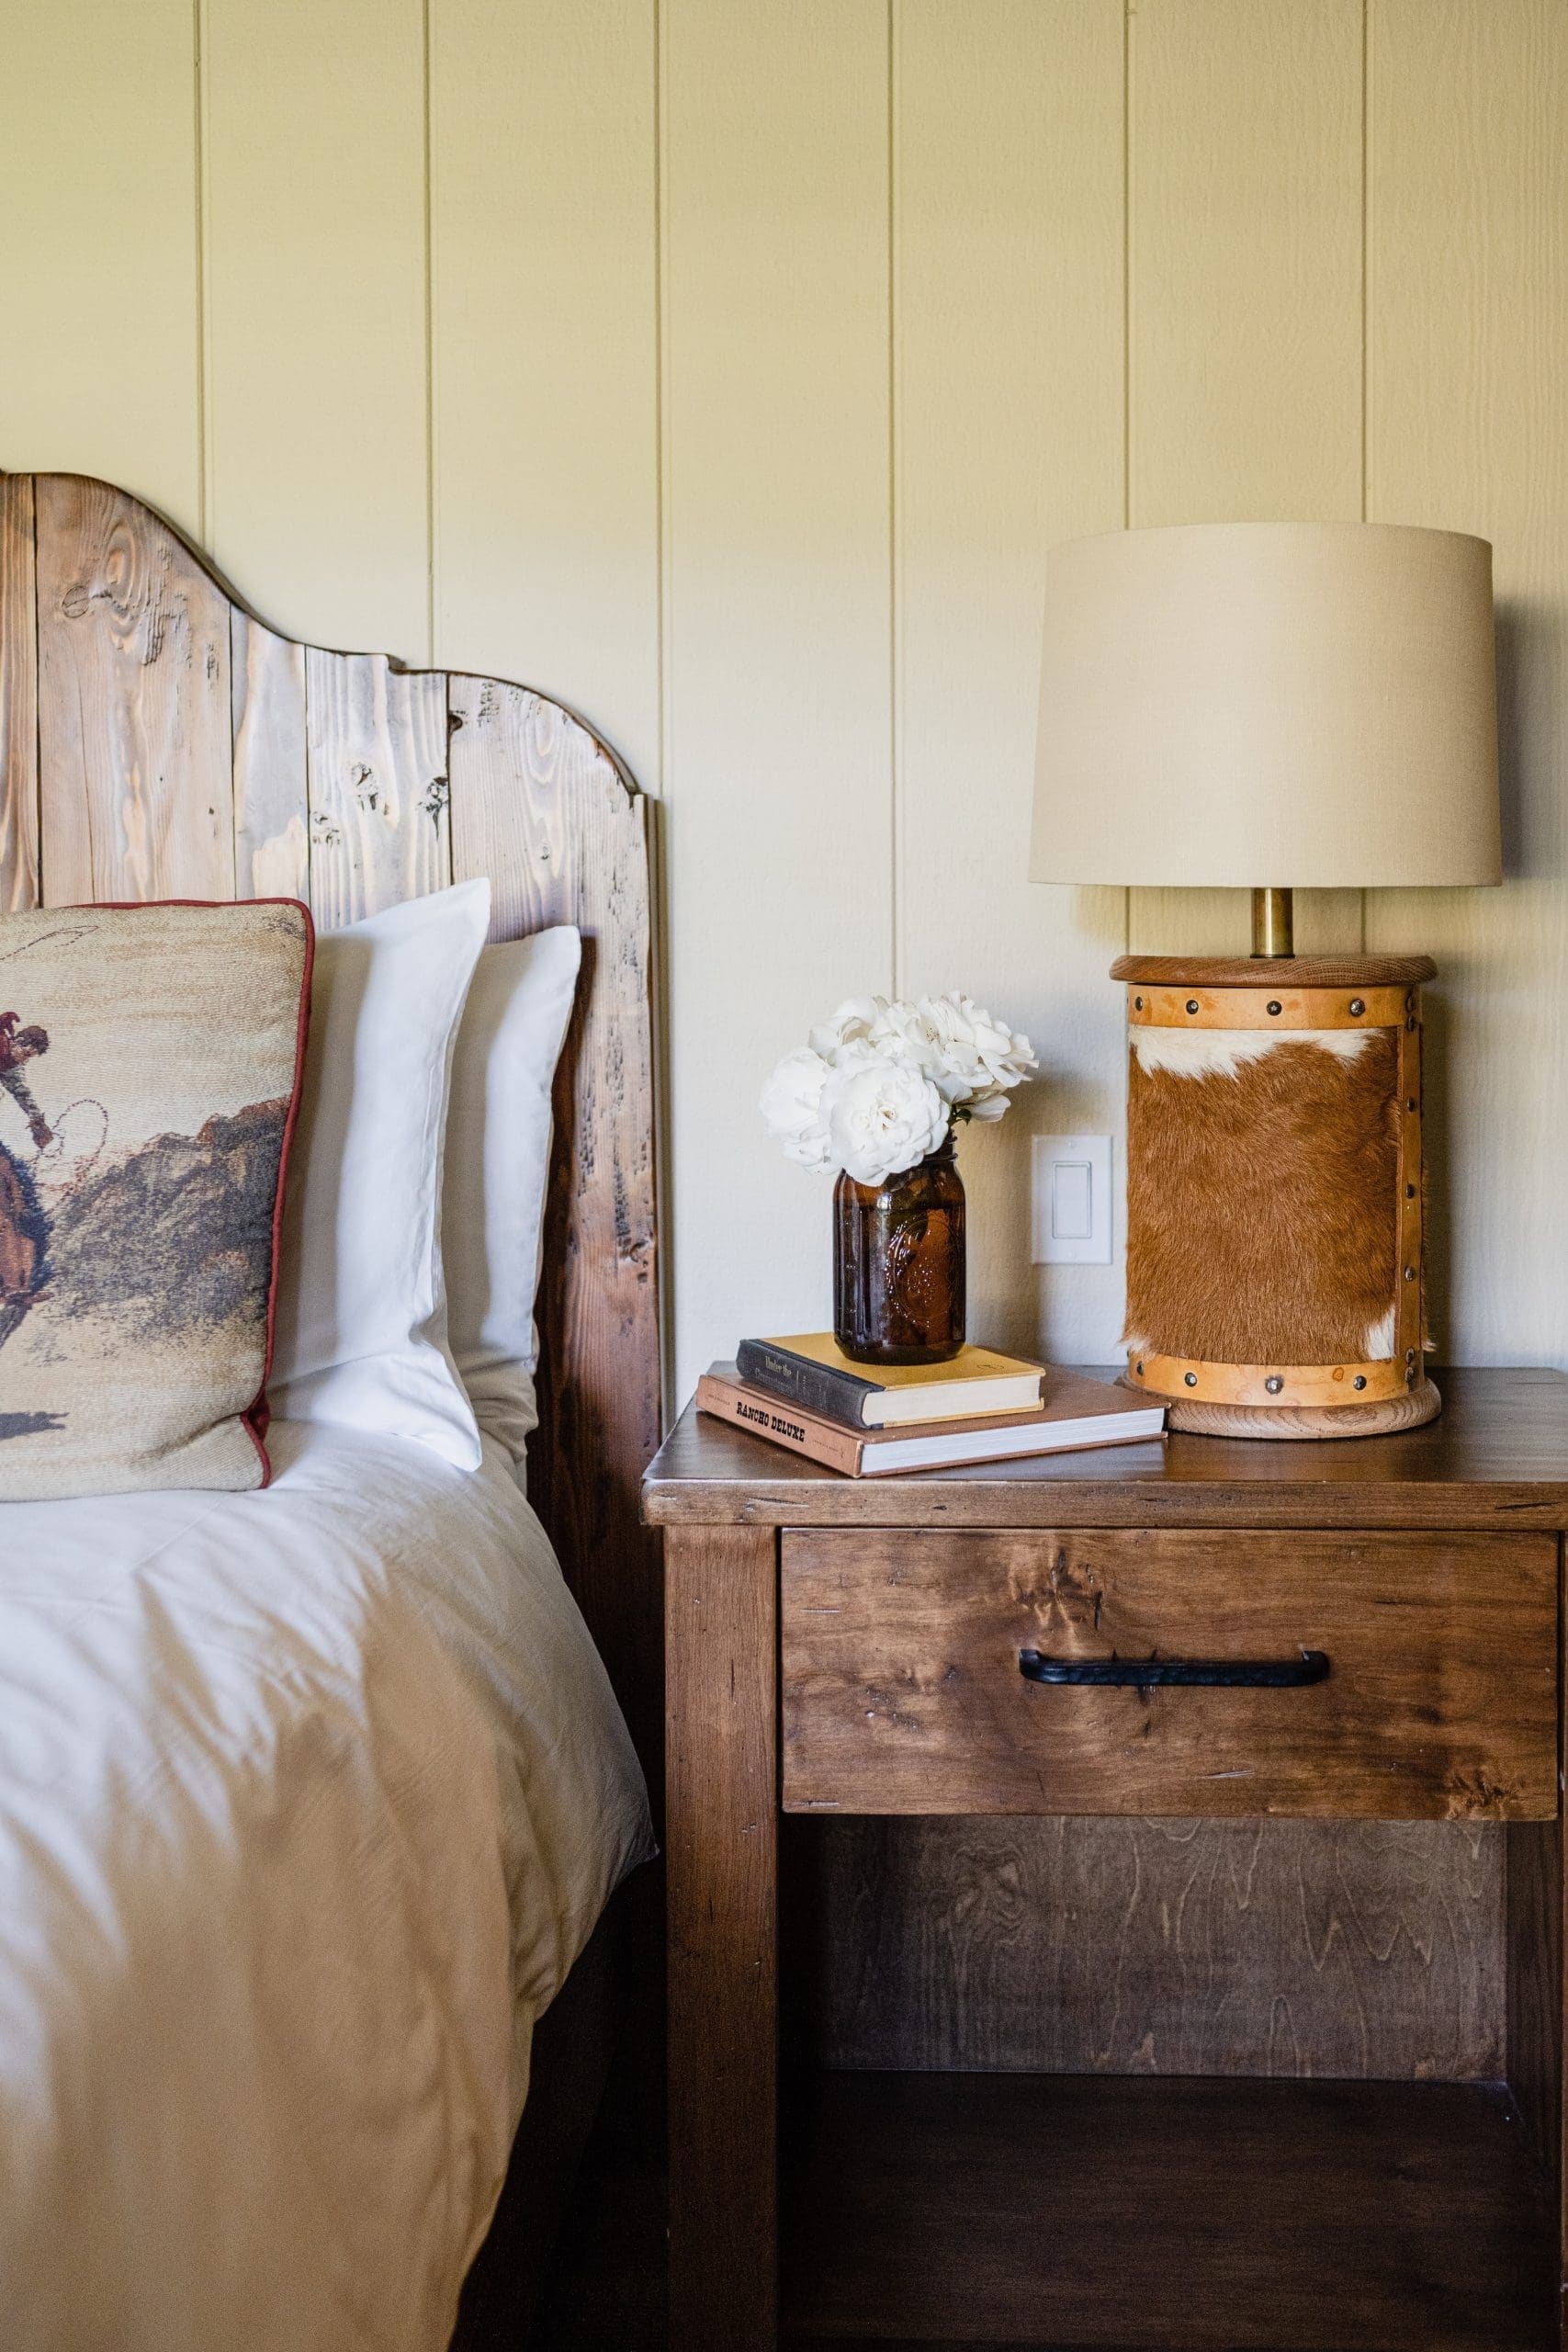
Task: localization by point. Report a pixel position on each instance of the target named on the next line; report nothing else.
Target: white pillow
(362, 1306)
(498, 1155)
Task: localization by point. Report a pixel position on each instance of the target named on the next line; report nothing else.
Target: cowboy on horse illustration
(23, 1229)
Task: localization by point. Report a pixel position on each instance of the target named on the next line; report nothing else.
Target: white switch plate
(1071, 1213)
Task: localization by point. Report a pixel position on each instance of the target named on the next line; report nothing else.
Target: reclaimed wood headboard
(158, 742)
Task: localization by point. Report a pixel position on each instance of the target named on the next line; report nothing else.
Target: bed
(311, 1799)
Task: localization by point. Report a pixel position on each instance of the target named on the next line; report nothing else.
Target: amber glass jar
(899, 1264)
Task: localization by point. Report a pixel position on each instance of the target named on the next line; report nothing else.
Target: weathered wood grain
(901, 1691)
(191, 751)
(18, 698)
(376, 758)
(508, 741)
(1287, 971)
(1331, 1949)
(546, 811)
(271, 790)
(1001, 1956)
(722, 1838)
(134, 744)
(1534, 1939)
(1497, 1457)
(1534, 1945)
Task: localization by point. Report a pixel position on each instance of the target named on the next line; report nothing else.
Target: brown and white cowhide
(1262, 1175)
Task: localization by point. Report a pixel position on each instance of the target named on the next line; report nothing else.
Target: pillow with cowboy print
(150, 1065)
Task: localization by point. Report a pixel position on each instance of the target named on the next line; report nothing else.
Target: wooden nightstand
(836, 1647)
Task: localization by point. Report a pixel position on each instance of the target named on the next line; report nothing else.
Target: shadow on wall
(1530, 691)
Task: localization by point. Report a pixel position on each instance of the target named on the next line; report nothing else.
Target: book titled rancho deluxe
(1074, 1413)
(811, 1370)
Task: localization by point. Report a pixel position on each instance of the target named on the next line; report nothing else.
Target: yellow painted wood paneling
(1008, 218)
(775, 275)
(99, 349)
(1244, 311)
(546, 352)
(1468, 428)
(316, 406)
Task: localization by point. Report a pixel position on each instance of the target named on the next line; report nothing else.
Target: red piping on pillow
(258, 1413)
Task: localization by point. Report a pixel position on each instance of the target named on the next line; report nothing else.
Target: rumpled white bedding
(309, 1799)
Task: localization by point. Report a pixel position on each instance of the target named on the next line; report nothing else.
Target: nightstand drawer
(1394, 1676)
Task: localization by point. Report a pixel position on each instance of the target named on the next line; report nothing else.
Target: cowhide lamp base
(1274, 1192)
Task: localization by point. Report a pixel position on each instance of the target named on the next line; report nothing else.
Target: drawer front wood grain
(902, 1691)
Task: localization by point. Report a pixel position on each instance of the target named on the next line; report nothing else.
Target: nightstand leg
(721, 1645)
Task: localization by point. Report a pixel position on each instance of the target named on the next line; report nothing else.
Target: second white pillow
(361, 1335)
(497, 1159)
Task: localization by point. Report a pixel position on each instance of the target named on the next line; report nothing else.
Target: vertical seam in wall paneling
(1128, 503)
(205, 502)
(661, 412)
(1366, 243)
(895, 551)
(37, 700)
(429, 440)
(664, 1141)
(207, 505)
(1366, 306)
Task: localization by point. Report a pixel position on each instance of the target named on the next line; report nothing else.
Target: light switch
(1071, 1208)
(1072, 1200)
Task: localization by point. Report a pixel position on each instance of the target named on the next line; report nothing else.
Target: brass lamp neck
(1271, 922)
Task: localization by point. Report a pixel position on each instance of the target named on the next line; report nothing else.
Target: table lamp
(1278, 706)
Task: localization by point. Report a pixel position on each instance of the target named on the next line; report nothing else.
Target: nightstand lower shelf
(1065, 2212)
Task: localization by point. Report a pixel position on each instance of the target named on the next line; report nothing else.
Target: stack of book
(804, 1394)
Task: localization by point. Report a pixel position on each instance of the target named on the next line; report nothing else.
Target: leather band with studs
(1281, 1008)
(1281, 1385)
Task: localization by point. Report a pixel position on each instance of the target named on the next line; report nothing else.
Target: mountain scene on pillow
(149, 1063)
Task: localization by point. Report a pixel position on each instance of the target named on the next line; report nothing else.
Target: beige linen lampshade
(1281, 705)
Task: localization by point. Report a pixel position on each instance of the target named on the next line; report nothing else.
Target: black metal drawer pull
(1140, 1673)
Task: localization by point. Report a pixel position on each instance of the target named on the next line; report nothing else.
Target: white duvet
(309, 1799)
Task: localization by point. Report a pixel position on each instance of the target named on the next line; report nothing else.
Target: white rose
(792, 1105)
(851, 1025)
(882, 1117)
(899, 1033)
(974, 1060)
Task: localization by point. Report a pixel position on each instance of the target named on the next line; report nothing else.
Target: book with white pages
(1074, 1413)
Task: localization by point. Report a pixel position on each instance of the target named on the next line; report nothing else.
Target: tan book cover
(1076, 1413)
(969, 1363)
(809, 1369)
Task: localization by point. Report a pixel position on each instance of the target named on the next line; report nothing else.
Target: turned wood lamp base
(1407, 1412)
(1275, 1274)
